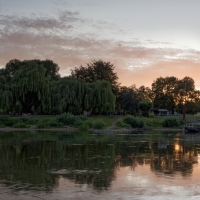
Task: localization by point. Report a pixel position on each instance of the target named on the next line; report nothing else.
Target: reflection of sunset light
(177, 147)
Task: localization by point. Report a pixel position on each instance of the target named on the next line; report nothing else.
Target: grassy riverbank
(70, 122)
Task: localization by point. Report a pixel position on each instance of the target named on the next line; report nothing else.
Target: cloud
(89, 4)
(70, 40)
(62, 3)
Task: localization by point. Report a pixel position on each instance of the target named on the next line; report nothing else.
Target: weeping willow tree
(67, 95)
(31, 88)
(99, 97)
(6, 95)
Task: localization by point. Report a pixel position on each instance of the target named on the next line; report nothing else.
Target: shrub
(99, 124)
(19, 125)
(54, 123)
(48, 123)
(154, 123)
(2, 126)
(133, 122)
(77, 122)
(83, 117)
(84, 127)
(122, 124)
(67, 119)
(28, 120)
(43, 124)
(171, 122)
(8, 121)
(89, 123)
(140, 124)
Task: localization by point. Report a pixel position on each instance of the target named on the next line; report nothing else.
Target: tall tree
(100, 97)
(164, 92)
(6, 94)
(31, 88)
(145, 107)
(185, 92)
(145, 93)
(97, 70)
(129, 99)
(11, 67)
(52, 69)
(67, 95)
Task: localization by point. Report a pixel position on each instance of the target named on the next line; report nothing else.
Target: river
(58, 166)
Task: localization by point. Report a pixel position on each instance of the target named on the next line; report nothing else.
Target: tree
(164, 86)
(6, 94)
(31, 88)
(145, 107)
(11, 67)
(51, 68)
(100, 97)
(129, 99)
(97, 70)
(185, 92)
(165, 101)
(67, 95)
(164, 92)
(145, 93)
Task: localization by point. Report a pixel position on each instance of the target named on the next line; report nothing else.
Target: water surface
(51, 165)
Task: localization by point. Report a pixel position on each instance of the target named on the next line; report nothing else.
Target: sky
(144, 39)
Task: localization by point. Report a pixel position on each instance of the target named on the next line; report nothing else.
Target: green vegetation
(85, 123)
(145, 107)
(171, 122)
(133, 122)
(121, 124)
(36, 89)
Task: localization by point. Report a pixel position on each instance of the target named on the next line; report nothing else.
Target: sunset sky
(144, 39)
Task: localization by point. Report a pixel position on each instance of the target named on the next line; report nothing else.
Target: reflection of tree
(40, 159)
(29, 160)
(168, 159)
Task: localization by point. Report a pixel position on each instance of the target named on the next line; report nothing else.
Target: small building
(163, 112)
(159, 112)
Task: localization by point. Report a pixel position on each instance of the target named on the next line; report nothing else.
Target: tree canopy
(97, 70)
(36, 86)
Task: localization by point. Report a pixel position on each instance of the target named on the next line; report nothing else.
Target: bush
(2, 126)
(140, 124)
(133, 122)
(77, 122)
(171, 122)
(67, 119)
(83, 117)
(89, 123)
(49, 123)
(154, 122)
(99, 124)
(8, 121)
(121, 124)
(19, 125)
(84, 127)
(54, 123)
(28, 121)
(43, 124)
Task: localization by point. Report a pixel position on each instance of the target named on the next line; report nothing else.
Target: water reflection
(41, 161)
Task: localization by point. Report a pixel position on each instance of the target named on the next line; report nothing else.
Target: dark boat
(192, 127)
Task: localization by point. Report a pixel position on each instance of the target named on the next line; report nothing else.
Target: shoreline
(108, 130)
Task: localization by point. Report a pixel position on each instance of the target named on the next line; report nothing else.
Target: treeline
(35, 86)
